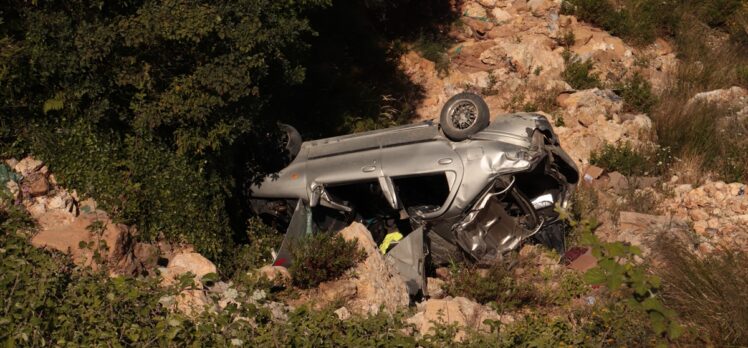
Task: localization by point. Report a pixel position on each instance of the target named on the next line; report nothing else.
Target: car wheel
(464, 115)
(293, 140)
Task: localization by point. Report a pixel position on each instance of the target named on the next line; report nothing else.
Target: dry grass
(710, 294)
(699, 132)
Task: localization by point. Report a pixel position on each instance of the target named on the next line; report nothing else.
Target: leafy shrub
(578, 73)
(493, 285)
(710, 294)
(632, 161)
(256, 252)
(321, 257)
(628, 280)
(637, 94)
(435, 47)
(140, 182)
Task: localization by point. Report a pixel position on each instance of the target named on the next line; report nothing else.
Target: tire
(464, 115)
(293, 140)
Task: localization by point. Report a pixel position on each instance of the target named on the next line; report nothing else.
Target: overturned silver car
(463, 188)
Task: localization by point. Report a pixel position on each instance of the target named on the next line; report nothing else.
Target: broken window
(426, 193)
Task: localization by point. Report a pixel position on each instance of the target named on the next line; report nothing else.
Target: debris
(581, 262)
(592, 173)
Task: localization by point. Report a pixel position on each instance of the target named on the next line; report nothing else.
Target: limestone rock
(35, 184)
(28, 165)
(278, 275)
(475, 10)
(376, 282)
(501, 15)
(459, 311)
(342, 313)
(191, 262)
(435, 288)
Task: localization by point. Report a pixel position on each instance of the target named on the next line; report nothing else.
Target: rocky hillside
(657, 244)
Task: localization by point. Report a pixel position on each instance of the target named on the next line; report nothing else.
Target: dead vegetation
(710, 294)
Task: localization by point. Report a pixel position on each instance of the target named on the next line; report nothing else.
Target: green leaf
(55, 103)
(675, 330)
(614, 281)
(658, 322)
(595, 276)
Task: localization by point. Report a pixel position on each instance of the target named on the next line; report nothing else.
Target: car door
(424, 176)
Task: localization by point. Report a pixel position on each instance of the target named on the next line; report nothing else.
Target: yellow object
(388, 239)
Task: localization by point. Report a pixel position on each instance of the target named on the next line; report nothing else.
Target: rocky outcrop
(717, 211)
(513, 51)
(590, 118)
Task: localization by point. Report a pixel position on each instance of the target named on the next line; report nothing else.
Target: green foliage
(709, 293)
(641, 21)
(435, 47)
(578, 73)
(255, 253)
(567, 39)
(493, 285)
(321, 257)
(637, 94)
(618, 270)
(150, 107)
(630, 160)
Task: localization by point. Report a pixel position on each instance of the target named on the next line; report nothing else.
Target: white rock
(343, 313)
(501, 15)
(192, 262)
(475, 10)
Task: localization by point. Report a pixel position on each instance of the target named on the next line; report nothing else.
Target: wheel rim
(463, 114)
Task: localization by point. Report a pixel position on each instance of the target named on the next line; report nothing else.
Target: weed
(435, 48)
(579, 73)
(567, 39)
(711, 294)
(632, 161)
(322, 257)
(494, 285)
(625, 278)
(637, 94)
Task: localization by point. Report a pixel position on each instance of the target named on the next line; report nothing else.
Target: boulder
(435, 288)
(343, 313)
(28, 165)
(377, 282)
(191, 262)
(278, 275)
(501, 15)
(474, 9)
(35, 184)
(458, 311)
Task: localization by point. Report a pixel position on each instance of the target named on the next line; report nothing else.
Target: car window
(427, 192)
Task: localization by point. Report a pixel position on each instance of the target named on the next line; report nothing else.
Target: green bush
(321, 257)
(435, 47)
(627, 280)
(637, 94)
(493, 285)
(632, 161)
(637, 21)
(152, 108)
(578, 73)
